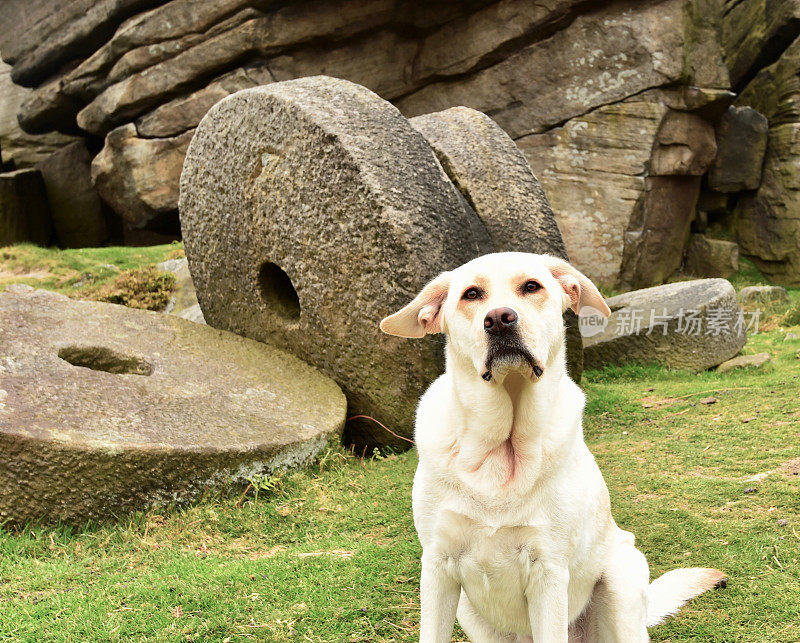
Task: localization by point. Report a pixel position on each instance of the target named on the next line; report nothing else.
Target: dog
(513, 514)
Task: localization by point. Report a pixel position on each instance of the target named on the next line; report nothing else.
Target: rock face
(706, 257)
(742, 142)
(753, 30)
(496, 180)
(38, 35)
(20, 148)
(628, 52)
(24, 215)
(106, 410)
(310, 210)
(692, 324)
(78, 213)
(623, 224)
(765, 222)
(524, 64)
(136, 176)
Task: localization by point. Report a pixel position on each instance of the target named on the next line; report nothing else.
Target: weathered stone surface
(599, 58)
(658, 230)
(621, 225)
(24, 215)
(666, 318)
(496, 180)
(763, 294)
(531, 66)
(393, 48)
(136, 176)
(713, 202)
(708, 103)
(184, 296)
(255, 34)
(105, 409)
(754, 31)
(75, 206)
(134, 94)
(706, 257)
(684, 145)
(483, 36)
(593, 170)
(766, 222)
(19, 147)
(744, 361)
(186, 112)
(310, 209)
(48, 109)
(37, 36)
(493, 175)
(741, 144)
(160, 33)
(193, 314)
(179, 25)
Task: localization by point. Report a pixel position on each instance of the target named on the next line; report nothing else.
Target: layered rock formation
(767, 220)
(18, 147)
(613, 103)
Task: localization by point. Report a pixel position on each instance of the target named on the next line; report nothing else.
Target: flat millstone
(718, 339)
(78, 443)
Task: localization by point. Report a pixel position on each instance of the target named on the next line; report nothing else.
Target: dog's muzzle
(505, 345)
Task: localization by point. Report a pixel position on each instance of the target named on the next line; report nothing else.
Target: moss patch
(145, 288)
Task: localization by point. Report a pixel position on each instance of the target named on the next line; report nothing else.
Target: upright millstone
(491, 172)
(310, 210)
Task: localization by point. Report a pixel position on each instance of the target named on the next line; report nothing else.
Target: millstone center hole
(278, 292)
(100, 358)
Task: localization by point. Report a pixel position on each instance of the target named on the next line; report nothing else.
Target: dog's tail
(668, 593)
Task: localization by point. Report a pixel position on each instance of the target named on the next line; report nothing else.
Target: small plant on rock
(263, 482)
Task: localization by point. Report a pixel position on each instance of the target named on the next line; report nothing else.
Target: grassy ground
(330, 554)
(119, 275)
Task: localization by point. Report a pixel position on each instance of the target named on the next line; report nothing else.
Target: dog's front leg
(439, 600)
(547, 595)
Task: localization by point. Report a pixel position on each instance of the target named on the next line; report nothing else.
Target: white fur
(510, 506)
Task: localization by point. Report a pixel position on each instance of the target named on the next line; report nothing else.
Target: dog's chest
(493, 566)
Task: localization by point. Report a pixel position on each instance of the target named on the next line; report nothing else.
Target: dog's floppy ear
(578, 287)
(423, 315)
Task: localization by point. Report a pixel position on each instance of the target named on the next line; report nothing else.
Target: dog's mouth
(510, 354)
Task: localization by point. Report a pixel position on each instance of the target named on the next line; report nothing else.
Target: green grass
(330, 554)
(78, 272)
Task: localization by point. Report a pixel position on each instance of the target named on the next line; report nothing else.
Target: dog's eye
(471, 293)
(532, 286)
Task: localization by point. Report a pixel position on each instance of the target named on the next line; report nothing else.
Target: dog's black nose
(499, 321)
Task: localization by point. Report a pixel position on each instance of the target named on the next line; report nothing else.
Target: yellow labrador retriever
(511, 509)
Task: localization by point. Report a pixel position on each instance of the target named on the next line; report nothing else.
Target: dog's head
(501, 312)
